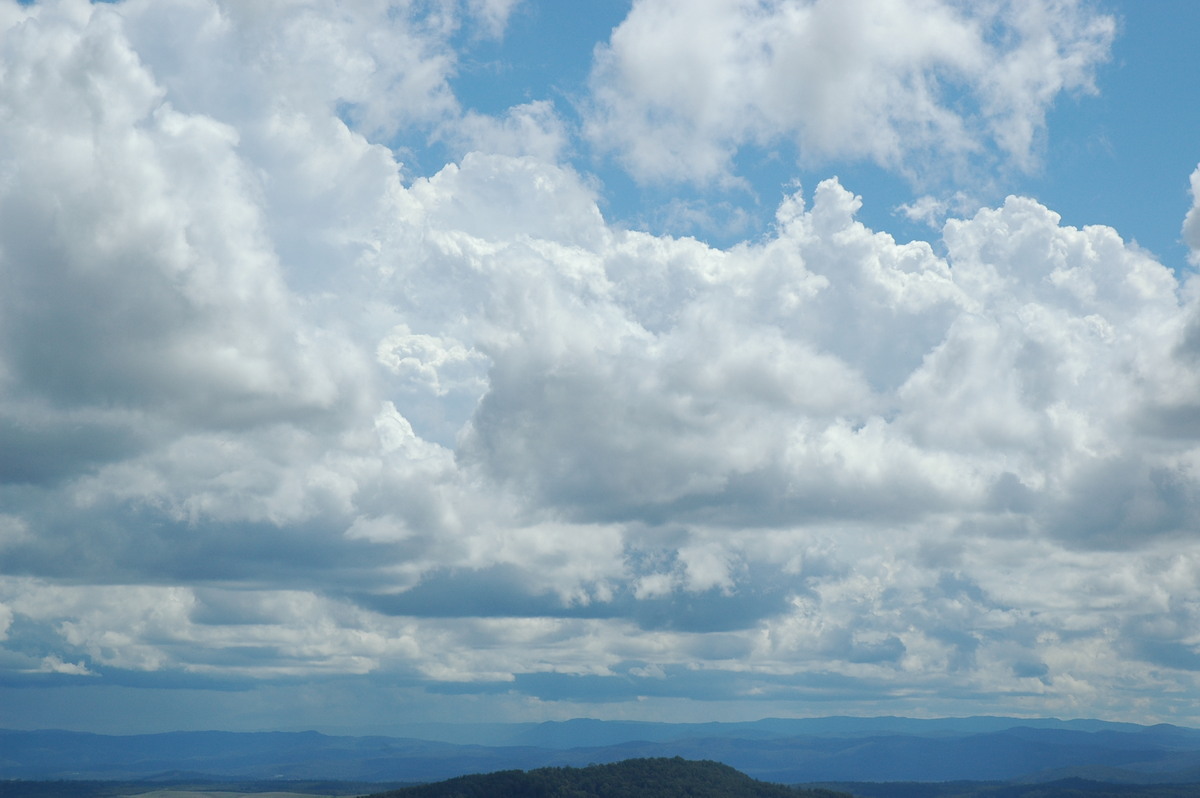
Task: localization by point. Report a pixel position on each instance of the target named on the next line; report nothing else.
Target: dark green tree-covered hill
(633, 778)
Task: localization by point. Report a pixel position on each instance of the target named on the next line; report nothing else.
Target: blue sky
(374, 363)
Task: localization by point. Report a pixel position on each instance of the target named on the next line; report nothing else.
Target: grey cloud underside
(822, 689)
(274, 409)
(503, 592)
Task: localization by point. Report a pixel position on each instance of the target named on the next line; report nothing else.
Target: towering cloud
(276, 408)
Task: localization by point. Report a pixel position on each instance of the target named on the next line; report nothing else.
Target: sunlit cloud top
(329, 396)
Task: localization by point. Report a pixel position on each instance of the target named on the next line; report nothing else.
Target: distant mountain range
(787, 751)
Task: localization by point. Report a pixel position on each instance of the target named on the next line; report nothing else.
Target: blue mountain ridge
(838, 749)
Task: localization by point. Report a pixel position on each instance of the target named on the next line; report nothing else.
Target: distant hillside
(632, 778)
(184, 789)
(780, 751)
(592, 733)
(1064, 788)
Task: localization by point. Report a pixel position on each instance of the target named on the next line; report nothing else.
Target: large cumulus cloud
(275, 409)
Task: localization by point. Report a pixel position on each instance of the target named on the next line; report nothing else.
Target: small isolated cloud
(682, 86)
(52, 664)
(533, 129)
(933, 211)
(492, 15)
(700, 217)
(1191, 224)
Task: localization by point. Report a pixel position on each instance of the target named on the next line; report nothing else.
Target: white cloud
(270, 410)
(427, 360)
(52, 664)
(934, 211)
(909, 84)
(383, 65)
(1191, 224)
(137, 239)
(493, 14)
(532, 129)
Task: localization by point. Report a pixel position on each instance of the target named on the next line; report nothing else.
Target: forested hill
(633, 778)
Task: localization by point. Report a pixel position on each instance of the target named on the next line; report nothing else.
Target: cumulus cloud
(532, 129)
(144, 293)
(274, 409)
(1191, 224)
(682, 86)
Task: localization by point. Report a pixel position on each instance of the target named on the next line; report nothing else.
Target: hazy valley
(777, 750)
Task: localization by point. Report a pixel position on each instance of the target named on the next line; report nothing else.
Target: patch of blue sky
(745, 210)
(544, 54)
(1123, 158)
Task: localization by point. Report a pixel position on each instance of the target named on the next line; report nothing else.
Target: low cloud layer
(276, 410)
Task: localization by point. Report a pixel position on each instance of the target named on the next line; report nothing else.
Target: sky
(371, 363)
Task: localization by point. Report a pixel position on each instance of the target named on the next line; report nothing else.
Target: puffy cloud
(682, 86)
(52, 664)
(493, 14)
(1191, 224)
(145, 286)
(380, 64)
(6, 616)
(530, 129)
(272, 409)
(424, 359)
